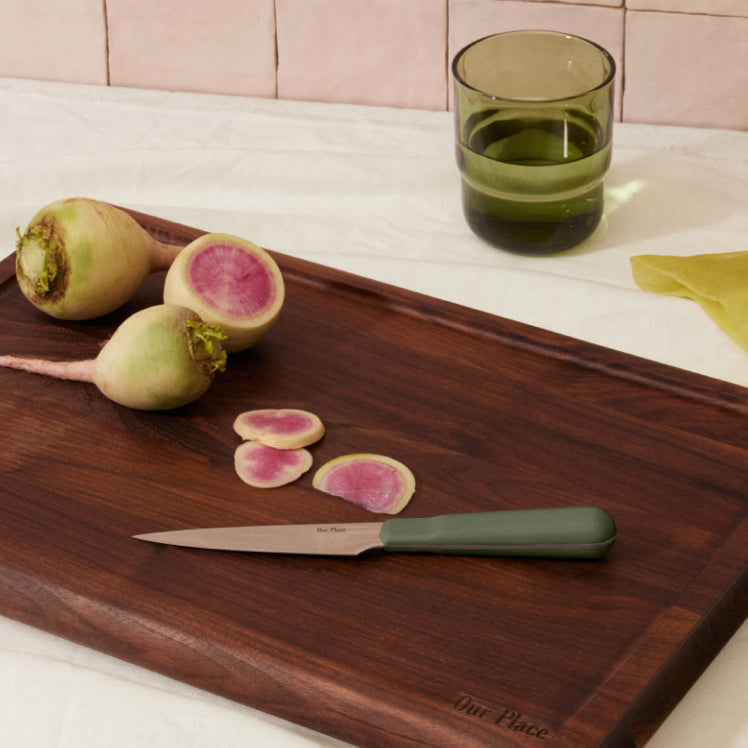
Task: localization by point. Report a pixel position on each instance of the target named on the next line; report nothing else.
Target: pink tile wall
(221, 46)
(609, 3)
(680, 62)
(687, 69)
(385, 52)
(58, 40)
(709, 7)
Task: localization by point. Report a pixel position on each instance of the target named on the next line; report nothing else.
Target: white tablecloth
(373, 191)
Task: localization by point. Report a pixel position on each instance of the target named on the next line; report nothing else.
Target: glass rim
(535, 32)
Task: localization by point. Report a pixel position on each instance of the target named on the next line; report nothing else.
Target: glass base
(535, 228)
(533, 237)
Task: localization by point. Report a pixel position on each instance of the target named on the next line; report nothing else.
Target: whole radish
(159, 358)
(81, 258)
(229, 282)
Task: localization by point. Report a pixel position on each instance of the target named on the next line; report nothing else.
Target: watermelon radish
(81, 258)
(160, 357)
(375, 482)
(267, 467)
(229, 282)
(283, 428)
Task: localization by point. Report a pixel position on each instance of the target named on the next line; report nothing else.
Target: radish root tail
(163, 255)
(78, 371)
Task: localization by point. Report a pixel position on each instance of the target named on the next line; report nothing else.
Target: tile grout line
(275, 38)
(447, 6)
(106, 43)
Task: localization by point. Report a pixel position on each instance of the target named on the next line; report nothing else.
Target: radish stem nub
(37, 257)
(203, 337)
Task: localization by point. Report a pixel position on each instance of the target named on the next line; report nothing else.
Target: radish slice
(230, 282)
(284, 428)
(267, 467)
(375, 482)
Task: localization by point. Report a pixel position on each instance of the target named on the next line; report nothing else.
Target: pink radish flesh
(266, 467)
(377, 483)
(281, 423)
(231, 280)
(284, 428)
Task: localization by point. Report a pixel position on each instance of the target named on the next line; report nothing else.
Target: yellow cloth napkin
(718, 282)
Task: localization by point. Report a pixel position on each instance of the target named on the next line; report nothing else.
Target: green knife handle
(570, 532)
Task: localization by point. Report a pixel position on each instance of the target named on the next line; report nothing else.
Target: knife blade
(584, 532)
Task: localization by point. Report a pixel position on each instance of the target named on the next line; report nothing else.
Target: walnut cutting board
(386, 649)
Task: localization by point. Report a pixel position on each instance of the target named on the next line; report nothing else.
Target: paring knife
(584, 532)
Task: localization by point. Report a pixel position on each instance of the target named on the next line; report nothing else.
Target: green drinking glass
(534, 125)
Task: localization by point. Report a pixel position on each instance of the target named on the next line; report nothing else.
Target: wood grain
(387, 650)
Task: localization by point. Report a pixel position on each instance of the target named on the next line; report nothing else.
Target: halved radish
(267, 467)
(230, 282)
(375, 482)
(283, 428)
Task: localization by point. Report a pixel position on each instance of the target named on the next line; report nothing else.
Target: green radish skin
(160, 358)
(230, 282)
(81, 258)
